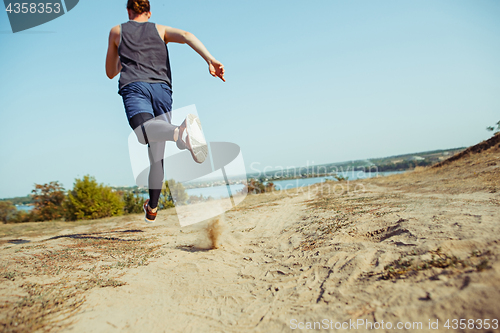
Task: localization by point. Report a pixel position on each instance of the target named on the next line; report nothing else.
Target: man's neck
(139, 18)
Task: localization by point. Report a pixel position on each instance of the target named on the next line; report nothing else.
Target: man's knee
(137, 123)
(142, 137)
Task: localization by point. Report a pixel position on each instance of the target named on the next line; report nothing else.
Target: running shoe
(150, 212)
(191, 137)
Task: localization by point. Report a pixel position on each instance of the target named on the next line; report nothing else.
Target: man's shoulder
(115, 34)
(116, 29)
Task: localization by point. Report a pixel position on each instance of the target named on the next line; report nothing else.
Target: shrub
(198, 198)
(89, 200)
(172, 192)
(270, 187)
(48, 199)
(21, 216)
(133, 203)
(340, 177)
(256, 186)
(7, 209)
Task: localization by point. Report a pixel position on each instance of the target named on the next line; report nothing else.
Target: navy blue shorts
(152, 98)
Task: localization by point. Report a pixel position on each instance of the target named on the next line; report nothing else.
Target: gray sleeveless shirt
(143, 55)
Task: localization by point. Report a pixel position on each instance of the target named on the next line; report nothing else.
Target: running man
(138, 51)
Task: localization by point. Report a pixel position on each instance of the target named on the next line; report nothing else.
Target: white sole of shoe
(199, 148)
(148, 221)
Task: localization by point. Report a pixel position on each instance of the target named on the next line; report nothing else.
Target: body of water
(26, 208)
(351, 175)
(215, 192)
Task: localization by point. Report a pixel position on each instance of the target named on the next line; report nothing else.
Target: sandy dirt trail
(190, 289)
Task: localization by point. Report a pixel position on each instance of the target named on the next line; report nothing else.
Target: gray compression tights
(154, 132)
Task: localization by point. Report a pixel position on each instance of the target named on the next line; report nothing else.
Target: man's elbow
(187, 36)
(110, 74)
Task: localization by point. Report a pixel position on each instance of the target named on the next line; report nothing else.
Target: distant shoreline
(395, 163)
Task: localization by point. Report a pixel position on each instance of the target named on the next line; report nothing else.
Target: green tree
(133, 202)
(48, 199)
(6, 210)
(172, 192)
(89, 200)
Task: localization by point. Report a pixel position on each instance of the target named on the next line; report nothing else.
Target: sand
(416, 248)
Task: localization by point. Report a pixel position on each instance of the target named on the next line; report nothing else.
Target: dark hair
(139, 6)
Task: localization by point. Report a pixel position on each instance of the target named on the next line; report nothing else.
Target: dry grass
(408, 265)
(80, 263)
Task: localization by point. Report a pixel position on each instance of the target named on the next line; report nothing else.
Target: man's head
(139, 9)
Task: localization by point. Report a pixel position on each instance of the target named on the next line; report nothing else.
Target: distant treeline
(424, 154)
(385, 164)
(27, 200)
(400, 166)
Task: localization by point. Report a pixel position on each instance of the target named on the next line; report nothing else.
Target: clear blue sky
(307, 82)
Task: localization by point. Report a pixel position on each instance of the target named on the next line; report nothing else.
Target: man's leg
(137, 99)
(156, 172)
(156, 150)
(156, 130)
(160, 129)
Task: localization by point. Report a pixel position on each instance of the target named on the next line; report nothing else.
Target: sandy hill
(475, 169)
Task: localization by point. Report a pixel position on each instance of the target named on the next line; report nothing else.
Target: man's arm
(173, 35)
(113, 64)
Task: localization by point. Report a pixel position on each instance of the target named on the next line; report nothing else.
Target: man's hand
(216, 69)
